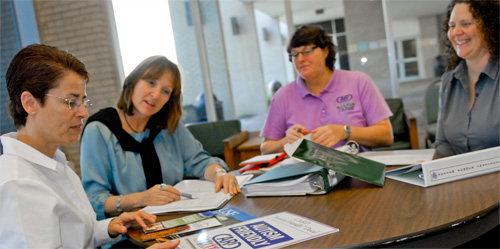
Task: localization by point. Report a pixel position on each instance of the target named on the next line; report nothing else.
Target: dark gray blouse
(460, 129)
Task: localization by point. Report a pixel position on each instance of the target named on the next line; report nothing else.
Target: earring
(33, 113)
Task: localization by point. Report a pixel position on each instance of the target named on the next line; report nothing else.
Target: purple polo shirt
(349, 98)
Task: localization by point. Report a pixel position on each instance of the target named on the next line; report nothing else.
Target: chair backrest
(432, 101)
(399, 124)
(400, 127)
(211, 134)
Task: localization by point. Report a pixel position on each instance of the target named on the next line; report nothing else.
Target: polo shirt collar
(15, 147)
(303, 91)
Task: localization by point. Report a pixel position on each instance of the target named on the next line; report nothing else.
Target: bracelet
(118, 204)
(219, 170)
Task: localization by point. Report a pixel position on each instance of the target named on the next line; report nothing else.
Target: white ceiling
(304, 11)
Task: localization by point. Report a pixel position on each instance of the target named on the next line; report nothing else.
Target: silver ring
(162, 186)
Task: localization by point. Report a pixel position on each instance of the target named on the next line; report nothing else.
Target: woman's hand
(166, 245)
(120, 224)
(226, 181)
(295, 132)
(156, 196)
(328, 135)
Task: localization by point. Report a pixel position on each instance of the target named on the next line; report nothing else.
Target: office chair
(212, 134)
(432, 109)
(404, 127)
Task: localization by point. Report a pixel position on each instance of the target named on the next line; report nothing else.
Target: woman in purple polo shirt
(333, 104)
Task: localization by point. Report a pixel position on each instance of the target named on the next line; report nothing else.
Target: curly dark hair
(307, 35)
(485, 13)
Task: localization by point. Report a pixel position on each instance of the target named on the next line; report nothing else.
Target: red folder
(259, 164)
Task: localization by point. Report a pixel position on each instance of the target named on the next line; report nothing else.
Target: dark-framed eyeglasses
(73, 103)
(294, 54)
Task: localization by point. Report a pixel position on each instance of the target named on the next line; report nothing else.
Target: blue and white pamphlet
(272, 231)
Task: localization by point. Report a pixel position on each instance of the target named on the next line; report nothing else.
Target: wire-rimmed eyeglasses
(294, 54)
(72, 103)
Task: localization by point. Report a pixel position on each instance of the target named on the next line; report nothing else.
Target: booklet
(224, 217)
(207, 199)
(272, 231)
(193, 218)
(196, 226)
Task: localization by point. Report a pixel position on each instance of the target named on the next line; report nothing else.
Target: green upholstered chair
(431, 108)
(404, 127)
(212, 134)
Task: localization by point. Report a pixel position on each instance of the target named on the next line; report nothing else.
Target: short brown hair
(485, 12)
(307, 35)
(36, 69)
(153, 68)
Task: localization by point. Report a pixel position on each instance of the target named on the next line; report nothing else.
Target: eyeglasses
(74, 103)
(294, 55)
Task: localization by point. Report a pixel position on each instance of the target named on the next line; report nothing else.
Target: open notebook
(204, 190)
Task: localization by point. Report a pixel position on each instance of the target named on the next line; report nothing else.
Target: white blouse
(42, 202)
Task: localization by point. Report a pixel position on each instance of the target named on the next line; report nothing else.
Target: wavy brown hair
(153, 68)
(486, 14)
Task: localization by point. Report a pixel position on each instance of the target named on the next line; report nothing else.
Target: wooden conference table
(399, 214)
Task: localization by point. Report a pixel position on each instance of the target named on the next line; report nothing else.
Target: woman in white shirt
(42, 201)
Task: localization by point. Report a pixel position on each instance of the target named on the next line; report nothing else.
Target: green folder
(348, 164)
(292, 171)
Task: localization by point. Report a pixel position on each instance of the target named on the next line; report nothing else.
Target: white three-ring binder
(449, 169)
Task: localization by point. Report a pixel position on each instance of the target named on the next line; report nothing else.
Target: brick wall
(83, 28)
(9, 45)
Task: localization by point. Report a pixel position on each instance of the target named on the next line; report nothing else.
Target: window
(407, 59)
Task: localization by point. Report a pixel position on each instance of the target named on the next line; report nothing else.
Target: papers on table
(204, 190)
(399, 157)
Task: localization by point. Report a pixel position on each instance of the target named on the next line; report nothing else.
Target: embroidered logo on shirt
(345, 103)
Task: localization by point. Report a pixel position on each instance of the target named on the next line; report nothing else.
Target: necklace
(126, 121)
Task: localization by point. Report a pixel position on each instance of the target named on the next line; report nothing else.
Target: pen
(190, 196)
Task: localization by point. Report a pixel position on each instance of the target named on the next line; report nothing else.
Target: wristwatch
(347, 129)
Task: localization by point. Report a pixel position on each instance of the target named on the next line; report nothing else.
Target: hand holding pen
(295, 132)
(160, 194)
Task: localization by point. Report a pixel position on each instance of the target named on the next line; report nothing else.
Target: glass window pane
(342, 43)
(339, 25)
(411, 69)
(409, 48)
(396, 50)
(344, 61)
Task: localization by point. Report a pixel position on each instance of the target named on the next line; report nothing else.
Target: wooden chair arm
(412, 125)
(230, 145)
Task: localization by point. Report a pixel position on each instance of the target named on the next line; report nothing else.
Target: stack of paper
(296, 179)
(296, 186)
